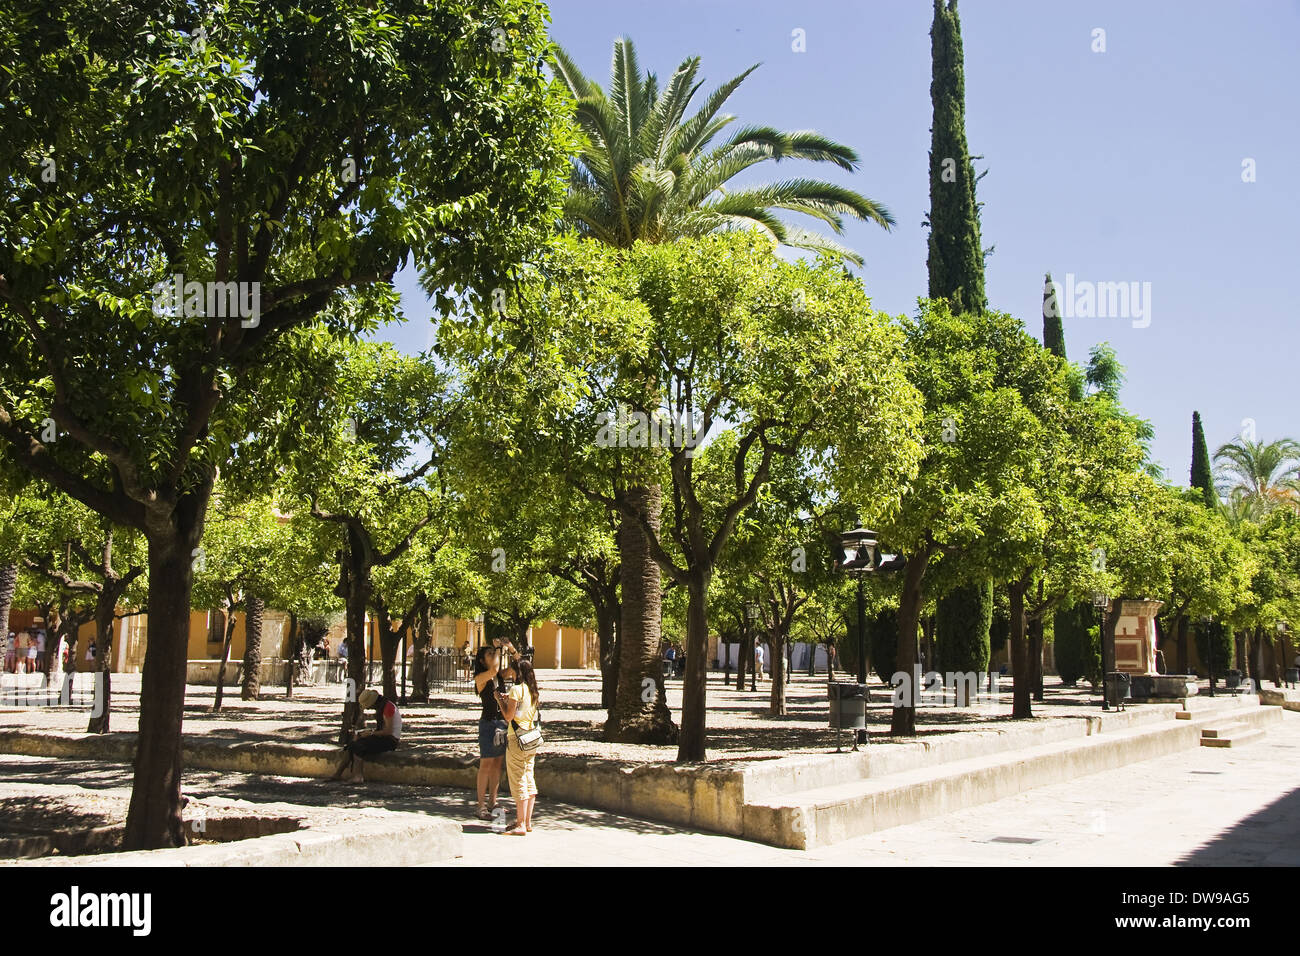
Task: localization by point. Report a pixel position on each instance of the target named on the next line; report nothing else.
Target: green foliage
(647, 171)
(1201, 476)
(963, 618)
(311, 154)
(955, 262)
(1075, 643)
(1053, 327)
(882, 638)
(1262, 475)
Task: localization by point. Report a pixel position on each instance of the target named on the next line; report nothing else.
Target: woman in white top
(519, 710)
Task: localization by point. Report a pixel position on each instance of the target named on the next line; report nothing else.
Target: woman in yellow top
(519, 708)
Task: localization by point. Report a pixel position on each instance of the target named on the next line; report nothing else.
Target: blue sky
(1123, 165)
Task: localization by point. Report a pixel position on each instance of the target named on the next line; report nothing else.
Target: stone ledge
(380, 838)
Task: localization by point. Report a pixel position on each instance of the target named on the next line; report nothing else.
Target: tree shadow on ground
(20, 816)
(1251, 841)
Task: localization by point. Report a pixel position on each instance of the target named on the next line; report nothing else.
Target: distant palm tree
(1262, 475)
(646, 171)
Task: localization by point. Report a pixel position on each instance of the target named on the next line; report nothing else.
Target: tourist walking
(28, 652)
(9, 649)
(519, 709)
(379, 739)
(758, 659)
(491, 729)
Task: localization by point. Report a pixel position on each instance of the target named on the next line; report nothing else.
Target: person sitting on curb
(368, 743)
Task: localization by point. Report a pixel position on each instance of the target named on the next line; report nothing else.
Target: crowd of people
(509, 732)
(26, 652)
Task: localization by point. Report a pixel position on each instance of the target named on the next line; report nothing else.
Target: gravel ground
(739, 725)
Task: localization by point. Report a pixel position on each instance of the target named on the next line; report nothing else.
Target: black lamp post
(751, 615)
(1100, 600)
(861, 555)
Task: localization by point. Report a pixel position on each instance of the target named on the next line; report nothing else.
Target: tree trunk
(691, 744)
(8, 585)
(154, 817)
(777, 642)
(291, 659)
(355, 589)
(254, 607)
(903, 720)
(1022, 676)
(641, 713)
(389, 642)
(225, 658)
(1181, 645)
(1035, 631)
(420, 657)
(104, 608)
(356, 629)
(606, 623)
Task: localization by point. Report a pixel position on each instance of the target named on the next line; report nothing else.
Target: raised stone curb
(379, 838)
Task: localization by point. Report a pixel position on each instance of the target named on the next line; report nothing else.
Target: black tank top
(487, 695)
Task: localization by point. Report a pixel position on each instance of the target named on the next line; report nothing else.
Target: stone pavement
(739, 727)
(1202, 807)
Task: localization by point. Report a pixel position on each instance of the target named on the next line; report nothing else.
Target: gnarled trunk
(641, 713)
(8, 585)
(254, 607)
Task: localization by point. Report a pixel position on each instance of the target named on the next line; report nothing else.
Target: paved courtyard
(1200, 807)
(739, 727)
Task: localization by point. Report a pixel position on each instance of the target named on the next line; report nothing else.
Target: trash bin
(1117, 688)
(848, 705)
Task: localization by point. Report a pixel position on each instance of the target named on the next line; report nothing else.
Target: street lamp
(1100, 600)
(751, 615)
(861, 555)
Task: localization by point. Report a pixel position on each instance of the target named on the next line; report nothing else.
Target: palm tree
(1263, 474)
(646, 171)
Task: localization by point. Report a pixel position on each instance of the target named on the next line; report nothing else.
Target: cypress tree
(956, 268)
(1076, 653)
(955, 262)
(963, 618)
(1053, 328)
(1201, 476)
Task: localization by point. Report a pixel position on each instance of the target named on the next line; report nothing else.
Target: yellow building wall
(574, 649)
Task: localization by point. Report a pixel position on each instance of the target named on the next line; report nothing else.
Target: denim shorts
(491, 739)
